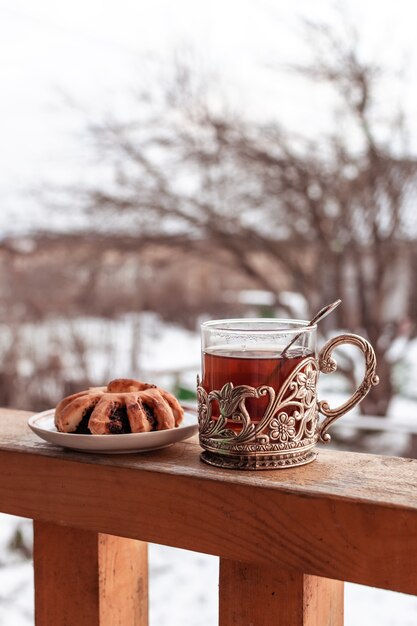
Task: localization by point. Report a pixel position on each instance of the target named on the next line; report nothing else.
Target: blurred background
(162, 164)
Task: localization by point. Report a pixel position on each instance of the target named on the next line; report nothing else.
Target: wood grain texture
(250, 595)
(83, 578)
(123, 581)
(346, 516)
(346, 475)
(323, 601)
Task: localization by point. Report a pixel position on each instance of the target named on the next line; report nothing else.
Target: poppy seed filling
(119, 423)
(150, 416)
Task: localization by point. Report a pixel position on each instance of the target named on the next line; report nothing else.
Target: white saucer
(43, 425)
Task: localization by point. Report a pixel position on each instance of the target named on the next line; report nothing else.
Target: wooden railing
(286, 539)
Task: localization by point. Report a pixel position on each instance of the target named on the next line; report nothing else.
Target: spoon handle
(324, 312)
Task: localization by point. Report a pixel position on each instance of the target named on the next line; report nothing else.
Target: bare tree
(335, 216)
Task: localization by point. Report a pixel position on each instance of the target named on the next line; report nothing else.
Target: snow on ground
(132, 345)
(365, 606)
(183, 587)
(16, 575)
(141, 345)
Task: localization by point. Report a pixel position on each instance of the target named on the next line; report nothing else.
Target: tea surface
(249, 367)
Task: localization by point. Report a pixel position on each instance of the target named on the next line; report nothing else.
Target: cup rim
(294, 326)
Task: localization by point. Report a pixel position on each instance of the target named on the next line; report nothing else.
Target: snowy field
(133, 345)
(140, 344)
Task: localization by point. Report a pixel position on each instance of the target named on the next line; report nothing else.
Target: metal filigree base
(285, 434)
(263, 462)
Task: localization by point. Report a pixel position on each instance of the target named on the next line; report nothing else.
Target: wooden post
(260, 596)
(83, 578)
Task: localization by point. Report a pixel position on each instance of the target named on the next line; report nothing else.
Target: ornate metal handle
(328, 365)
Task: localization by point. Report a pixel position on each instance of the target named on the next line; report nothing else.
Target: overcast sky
(98, 52)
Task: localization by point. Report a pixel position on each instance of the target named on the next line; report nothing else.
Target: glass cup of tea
(257, 399)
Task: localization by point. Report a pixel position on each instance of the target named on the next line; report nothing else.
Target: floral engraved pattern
(328, 365)
(288, 423)
(282, 428)
(231, 398)
(307, 384)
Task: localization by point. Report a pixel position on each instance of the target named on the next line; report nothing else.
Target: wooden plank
(250, 595)
(346, 516)
(88, 579)
(123, 581)
(337, 475)
(323, 601)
